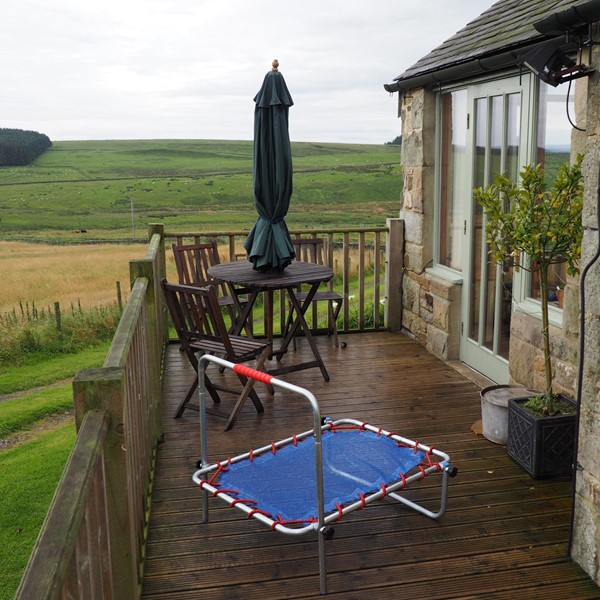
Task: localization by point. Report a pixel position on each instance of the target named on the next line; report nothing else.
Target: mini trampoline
(312, 479)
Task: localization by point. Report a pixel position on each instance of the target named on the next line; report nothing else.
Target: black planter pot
(542, 446)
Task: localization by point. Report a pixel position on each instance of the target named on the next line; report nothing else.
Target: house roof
(494, 39)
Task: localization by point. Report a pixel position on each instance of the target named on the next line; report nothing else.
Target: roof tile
(506, 24)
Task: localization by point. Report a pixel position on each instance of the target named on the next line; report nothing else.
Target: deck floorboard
(503, 536)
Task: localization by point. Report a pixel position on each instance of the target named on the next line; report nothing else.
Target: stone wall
(527, 364)
(586, 536)
(431, 307)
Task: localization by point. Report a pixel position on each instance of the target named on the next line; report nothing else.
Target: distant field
(84, 276)
(187, 185)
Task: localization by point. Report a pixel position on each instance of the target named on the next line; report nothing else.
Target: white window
(552, 150)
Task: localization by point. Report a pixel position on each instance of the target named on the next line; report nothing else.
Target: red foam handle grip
(252, 373)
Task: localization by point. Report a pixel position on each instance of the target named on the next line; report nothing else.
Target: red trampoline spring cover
(282, 484)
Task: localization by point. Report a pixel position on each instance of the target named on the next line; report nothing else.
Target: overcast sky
(128, 69)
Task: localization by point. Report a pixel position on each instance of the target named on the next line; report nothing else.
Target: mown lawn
(40, 373)
(31, 469)
(29, 474)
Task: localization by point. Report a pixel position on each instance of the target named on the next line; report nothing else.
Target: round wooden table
(240, 274)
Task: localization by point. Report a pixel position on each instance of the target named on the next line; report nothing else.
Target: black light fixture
(548, 62)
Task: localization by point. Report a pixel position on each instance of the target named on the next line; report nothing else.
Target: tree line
(20, 148)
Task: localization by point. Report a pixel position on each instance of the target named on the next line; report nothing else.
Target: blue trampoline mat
(354, 462)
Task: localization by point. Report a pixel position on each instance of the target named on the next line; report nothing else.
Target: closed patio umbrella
(268, 245)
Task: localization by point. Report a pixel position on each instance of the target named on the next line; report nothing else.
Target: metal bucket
(494, 410)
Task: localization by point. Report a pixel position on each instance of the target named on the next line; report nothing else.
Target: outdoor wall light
(548, 62)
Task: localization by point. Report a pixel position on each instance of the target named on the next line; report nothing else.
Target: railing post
(103, 389)
(154, 352)
(160, 273)
(394, 258)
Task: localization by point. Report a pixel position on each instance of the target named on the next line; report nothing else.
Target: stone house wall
(586, 537)
(431, 306)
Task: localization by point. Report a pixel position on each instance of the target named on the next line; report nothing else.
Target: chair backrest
(309, 250)
(196, 315)
(312, 250)
(193, 260)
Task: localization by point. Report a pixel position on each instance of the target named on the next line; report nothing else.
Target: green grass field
(30, 474)
(188, 185)
(31, 469)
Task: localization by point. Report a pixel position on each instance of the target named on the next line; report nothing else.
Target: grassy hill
(188, 185)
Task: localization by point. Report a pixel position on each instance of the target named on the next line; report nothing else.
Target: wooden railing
(92, 542)
(367, 263)
(93, 539)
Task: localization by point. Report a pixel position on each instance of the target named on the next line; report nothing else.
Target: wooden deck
(503, 536)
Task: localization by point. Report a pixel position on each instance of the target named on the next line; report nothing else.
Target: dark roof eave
(571, 19)
(461, 70)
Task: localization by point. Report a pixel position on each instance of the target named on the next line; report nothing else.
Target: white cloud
(189, 68)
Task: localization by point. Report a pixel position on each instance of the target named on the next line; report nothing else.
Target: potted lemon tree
(535, 226)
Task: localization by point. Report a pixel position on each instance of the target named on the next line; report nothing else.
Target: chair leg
(188, 397)
(248, 392)
(260, 363)
(210, 388)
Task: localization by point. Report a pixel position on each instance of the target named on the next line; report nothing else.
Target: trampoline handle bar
(253, 373)
(262, 377)
(270, 380)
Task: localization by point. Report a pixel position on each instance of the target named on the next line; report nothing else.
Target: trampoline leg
(423, 510)
(204, 506)
(322, 563)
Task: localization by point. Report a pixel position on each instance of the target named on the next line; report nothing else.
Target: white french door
(497, 142)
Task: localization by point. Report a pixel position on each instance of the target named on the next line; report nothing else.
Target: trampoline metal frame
(323, 523)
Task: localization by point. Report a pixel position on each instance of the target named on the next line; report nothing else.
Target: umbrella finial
(275, 65)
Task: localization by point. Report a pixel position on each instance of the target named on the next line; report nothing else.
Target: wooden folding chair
(312, 250)
(197, 317)
(192, 262)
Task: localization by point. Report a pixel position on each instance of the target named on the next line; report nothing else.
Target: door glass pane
(453, 188)
(496, 131)
(492, 270)
(497, 127)
(513, 139)
(513, 127)
(480, 122)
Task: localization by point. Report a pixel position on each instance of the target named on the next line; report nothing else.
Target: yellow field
(45, 274)
(81, 274)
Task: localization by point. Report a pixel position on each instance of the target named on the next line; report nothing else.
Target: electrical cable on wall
(568, 115)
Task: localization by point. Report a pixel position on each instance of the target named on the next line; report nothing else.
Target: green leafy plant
(535, 227)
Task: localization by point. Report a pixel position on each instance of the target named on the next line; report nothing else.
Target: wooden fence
(367, 263)
(93, 539)
(92, 542)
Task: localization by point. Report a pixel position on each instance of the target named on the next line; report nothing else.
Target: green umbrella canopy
(269, 245)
